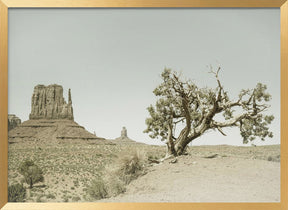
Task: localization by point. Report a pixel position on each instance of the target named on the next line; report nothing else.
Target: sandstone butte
(51, 119)
(48, 103)
(124, 139)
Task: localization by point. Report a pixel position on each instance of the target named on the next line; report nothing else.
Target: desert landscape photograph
(139, 105)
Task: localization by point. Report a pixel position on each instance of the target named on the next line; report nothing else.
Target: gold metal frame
(6, 4)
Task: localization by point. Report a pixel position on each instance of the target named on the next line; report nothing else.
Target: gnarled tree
(196, 110)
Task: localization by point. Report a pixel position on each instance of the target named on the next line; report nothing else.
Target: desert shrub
(65, 192)
(105, 188)
(65, 199)
(151, 156)
(76, 183)
(38, 190)
(156, 155)
(117, 187)
(278, 158)
(274, 159)
(39, 198)
(114, 185)
(31, 172)
(16, 193)
(97, 189)
(131, 167)
(76, 199)
(50, 196)
(117, 176)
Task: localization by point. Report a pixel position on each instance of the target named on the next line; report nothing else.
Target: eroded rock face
(48, 103)
(13, 121)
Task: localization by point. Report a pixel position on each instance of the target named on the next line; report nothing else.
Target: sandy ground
(198, 179)
(237, 174)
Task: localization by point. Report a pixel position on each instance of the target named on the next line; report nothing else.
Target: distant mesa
(13, 121)
(48, 103)
(51, 118)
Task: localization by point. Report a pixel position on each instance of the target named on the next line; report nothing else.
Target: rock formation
(124, 139)
(48, 103)
(51, 120)
(124, 133)
(49, 131)
(13, 121)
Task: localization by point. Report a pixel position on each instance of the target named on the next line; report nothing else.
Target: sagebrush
(16, 193)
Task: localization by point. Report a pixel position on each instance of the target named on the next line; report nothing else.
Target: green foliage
(257, 124)
(115, 186)
(50, 196)
(131, 167)
(76, 183)
(275, 158)
(76, 199)
(183, 105)
(16, 193)
(65, 198)
(31, 172)
(39, 198)
(97, 189)
(176, 98)
(252, 127)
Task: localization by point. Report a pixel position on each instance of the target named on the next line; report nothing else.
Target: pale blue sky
(112, 60)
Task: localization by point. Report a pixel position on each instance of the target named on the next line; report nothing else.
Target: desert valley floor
(206, 174)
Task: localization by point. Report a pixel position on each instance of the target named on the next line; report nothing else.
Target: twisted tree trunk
(170, 143)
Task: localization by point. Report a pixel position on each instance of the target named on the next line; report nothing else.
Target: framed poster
(77, 79)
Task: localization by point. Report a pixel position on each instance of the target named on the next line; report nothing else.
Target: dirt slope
(51, 130)
(198, 179)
